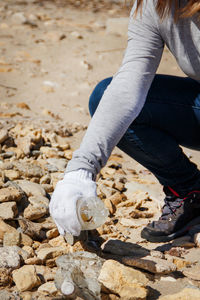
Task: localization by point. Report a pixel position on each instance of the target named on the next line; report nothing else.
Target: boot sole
(148, 234)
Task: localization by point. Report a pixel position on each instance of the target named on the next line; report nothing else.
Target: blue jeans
(169, 118)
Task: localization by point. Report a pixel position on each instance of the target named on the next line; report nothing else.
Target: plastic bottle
(91, 214)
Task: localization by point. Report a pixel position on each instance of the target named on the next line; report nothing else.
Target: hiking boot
(179, 214)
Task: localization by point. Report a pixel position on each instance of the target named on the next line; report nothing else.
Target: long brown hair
(164, 7)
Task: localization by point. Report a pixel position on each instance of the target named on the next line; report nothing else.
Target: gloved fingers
(60, 229)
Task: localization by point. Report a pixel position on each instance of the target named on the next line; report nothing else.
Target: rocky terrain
(52, 54)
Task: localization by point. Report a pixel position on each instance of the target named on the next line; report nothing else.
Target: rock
(29, 250)
(12, 174)
(110, 206)
(9, 257)
(46, 179)
(5, 295)
(12, 239)
(10, 194)
(118, 247)
(52, 233)
(184, 241)
(187, 293)
(117, 26)
(8, 210)
(29, 170)
(31, 188)
(197, 239)
(26, 240)
(35, 212)
(59, 163)
(52, 252)
(58, 241)
(49, 152)
(126, 282)
(31, 229)
(5, 228)
(151, 264)
(48, 288)
(193, 273)
(18, 18)
(46, 273)
(5, 277)
(78, 273)
(3, 135)
(26, 278)
(33, 261)
(39, 201)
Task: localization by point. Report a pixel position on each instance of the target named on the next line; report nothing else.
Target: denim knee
(97, 95)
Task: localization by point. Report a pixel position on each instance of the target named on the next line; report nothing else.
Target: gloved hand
(75, 185)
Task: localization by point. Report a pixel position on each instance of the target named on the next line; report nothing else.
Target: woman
(148, 116)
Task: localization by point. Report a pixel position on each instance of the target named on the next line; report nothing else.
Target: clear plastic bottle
(91, 213)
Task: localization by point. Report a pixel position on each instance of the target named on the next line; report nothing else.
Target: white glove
(75, 185)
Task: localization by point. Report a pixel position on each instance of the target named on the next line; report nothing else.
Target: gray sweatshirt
(125, 96)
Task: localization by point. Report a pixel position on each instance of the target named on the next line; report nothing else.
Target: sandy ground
(51, 58)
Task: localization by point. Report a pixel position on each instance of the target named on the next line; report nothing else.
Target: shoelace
(174, 201)
(170, 206)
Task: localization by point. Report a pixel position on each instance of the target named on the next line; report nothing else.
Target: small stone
(29, 170)
(33, 261)
(58, 242)
(31, 229)
(52, 233)
(48, 253)
(46, 179)
(184, 241)
(31, 188)
(18, 18)
(124, 281)
(26, 278)
(23, 105)
(45, 272)
(12, 174)
(5, 277)
(9, 257)
(39, 201)
(187, 293)
(193, 273)
(8, 210)
(10, 194)
(49, 152)
(60, 163)
(118, 247)
(5, 228)
(48, 288)
(35, 212)
(29, 250)
(26, 240)
(151, 264)
(12, 239)
(3, 135)
(197, 239)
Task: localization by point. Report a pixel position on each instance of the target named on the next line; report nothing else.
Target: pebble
(48, 288)
(8, 210)
(123, 281)
(31, 188)
(3, 135)
(26, 278)
(9, 257)
(151, 264)
(10, 194)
